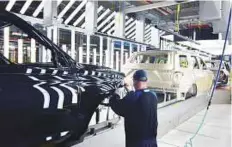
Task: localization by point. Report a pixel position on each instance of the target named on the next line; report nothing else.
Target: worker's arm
(119, 105)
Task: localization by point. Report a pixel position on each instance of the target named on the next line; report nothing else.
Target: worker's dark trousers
(142, 143)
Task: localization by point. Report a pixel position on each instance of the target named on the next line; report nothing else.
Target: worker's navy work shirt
(139, 109)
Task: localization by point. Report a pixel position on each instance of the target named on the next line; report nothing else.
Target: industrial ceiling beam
(176, 34)
(150, 6)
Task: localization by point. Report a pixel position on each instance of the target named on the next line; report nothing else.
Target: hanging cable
(214, 85)
(177, 17)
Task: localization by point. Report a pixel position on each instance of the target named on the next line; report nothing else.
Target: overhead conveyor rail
(178, 45)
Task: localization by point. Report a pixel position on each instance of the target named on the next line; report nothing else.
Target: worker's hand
(126, 85)
(117, 93)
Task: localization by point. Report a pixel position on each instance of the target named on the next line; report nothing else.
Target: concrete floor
(215, 132)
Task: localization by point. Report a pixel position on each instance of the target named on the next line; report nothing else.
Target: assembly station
(61, 62)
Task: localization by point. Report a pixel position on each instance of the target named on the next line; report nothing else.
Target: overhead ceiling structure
(72, 13)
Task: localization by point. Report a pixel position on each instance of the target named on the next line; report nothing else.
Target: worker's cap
(140, 75)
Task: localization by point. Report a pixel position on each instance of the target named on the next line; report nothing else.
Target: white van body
(171, 72)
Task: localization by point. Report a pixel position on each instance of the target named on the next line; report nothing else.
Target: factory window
(183, 60)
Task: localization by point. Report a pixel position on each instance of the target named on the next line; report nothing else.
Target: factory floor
(215, 131)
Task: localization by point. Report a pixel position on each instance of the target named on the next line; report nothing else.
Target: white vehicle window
(195, 62)
(183, 60)
(152, 59)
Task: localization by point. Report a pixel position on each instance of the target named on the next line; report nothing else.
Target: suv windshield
(152, 59)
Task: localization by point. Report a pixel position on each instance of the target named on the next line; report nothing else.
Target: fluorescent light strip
(10, 5)
(75, 11)
(83, 25)
(131, 35)
(129, 21)
(106, 20)
(108, 26)
(100, 9)
(131, 30)
(79, 19)
(108, 32)
(71, 2)
(147, 27)
(59, 2)
(147, 35)
(39, 8)
(146, 38)
(147, 31)
(25, 6)
(112, 33)
(129, 26)
(103, 15)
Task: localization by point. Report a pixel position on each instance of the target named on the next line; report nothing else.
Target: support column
(55, 34)
(108, 52)
(107, 58)
(87, 49)
(73, 44)
(130, 49)
(33, 51)
(117, 61)
(44, 54)
(48, 51)
(155, 39)
(49, 12)
(120, 24)
(126, 57)
(20, 51)
(140, 28)
(91, 17)
(138, 47)
(6, 42)
(94, 56)
(112, 54)
(101, 51)
(122, 55)
(80, 54)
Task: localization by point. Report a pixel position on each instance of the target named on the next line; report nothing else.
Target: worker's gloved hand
(117, 93)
